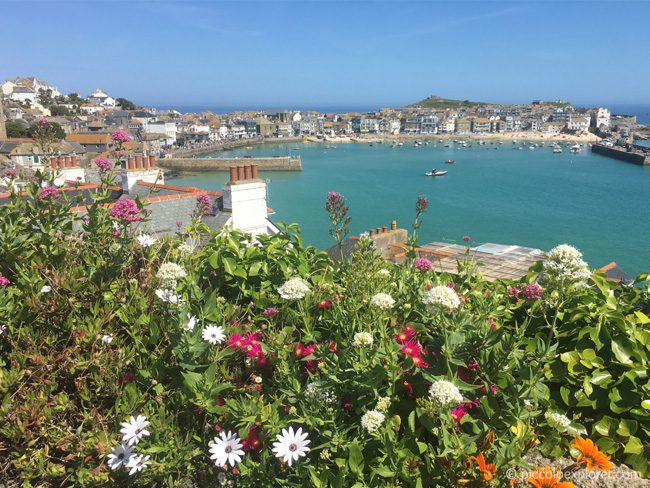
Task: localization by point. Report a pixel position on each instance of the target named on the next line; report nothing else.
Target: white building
(30, 83)
(580, 124)
(162, 127)
(100, 97)
(601, 118)
(23, 95)
(447, 126)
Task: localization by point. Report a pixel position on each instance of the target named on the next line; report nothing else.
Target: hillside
(438, 102)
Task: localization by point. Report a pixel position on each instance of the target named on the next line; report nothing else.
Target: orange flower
(591, 456)
(545, 478)
(487, 470)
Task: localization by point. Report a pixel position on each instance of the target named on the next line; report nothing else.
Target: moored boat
(450, 161)
(435, 172)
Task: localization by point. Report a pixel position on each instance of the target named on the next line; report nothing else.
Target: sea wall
(223, 164)
(622, 154)
(226, 146)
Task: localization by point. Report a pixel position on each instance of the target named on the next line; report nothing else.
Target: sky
(310, 54)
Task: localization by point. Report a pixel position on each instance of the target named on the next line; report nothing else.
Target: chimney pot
(378, 230)
(248, 172)
(255, 171)
(59, 162)
(393, 225)
(67, 161)
(53, 162)
(385, 229)
(233, 174)
(145, 162)
(74, 161)
(138, 162)
(152, 161)
(372, 232)
(240, 173)
(131, 164)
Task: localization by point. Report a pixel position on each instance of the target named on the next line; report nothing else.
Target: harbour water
(494, 193)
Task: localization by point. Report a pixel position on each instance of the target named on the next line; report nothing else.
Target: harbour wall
(636, 155)
(223, 164)
(226, 146)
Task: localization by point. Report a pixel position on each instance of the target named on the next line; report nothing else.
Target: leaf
(355, 458)
(384, 472)
(627, 427)
(622, 349)
(633, 446)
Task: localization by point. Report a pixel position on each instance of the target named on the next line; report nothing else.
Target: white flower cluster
(362, 339)
(372, 420)
(441, 297)
(294, 289)
(444, 393)
(169, 274)
(384, 273)
(557, 420)
(564, 269)
(382, 301)
(318, 393)
(382, 404)
(133, 431)
(168, 296)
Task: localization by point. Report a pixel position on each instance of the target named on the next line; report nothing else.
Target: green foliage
(16, 129)
(65, 391)
(125, 104)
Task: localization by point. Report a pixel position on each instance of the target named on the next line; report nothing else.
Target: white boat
(435, 172)
(532, 148)
(557, 150)
(575, 148)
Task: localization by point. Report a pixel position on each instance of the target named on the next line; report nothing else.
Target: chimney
(145, 162)
(74, 161)
(248, 172)
(130, 163)
(67, 161)
(378, 230)
(384, 230)
(233, 174)
(152, 161)
(393, 225)
(245, 198)
(372, 232)
(255, 172)
(138, 162)
(140, 168)
(240, 173)
(59, 162)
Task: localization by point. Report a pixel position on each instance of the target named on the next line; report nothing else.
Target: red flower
(325, 304)
(252, 442)
(236, 341)
(411, 348)
(332, 346)
(407, 333)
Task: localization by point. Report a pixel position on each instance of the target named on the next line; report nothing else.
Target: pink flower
(236, 341)
(49, 192)
(513, 292)
(9, 173)
(422, 204)
(179, 224)
(42, 121)
(493, 389)
(126, 210)
(423, 264)
(325, 304)
(407, 333)
(120, 136)
(4, 281)
(203, 205)
(334, 196)
(270, 312)
(466, 238)
(103, 164)
(532, 291)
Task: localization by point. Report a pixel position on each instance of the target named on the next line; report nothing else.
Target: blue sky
(333, 54)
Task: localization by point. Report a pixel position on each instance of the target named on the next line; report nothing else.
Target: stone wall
(224, 164)
(622, 154)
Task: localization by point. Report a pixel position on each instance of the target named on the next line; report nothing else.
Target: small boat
(450, 161)
(557, 150)
(575, 148)
(296, 148)
(435, 172)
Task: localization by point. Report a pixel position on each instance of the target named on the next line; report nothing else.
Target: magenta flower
(42, 121)
(423, 264)
(49, 192)
(422, 204)
(103, 164)
(126, 210)
(334, 196)
(10, 173)
(4, 281)
(532, 291)
(203, 205)
(513, 292)
(466, 238)
(120, 136)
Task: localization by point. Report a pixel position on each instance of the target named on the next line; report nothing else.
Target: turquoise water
(494, 193)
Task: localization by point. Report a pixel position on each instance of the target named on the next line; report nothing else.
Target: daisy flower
(547, 478)
(145, 240)
(134, 430)
(46, 289)
(119, 457)
(227, 449)
(107, 338)
(291, 445)
(214, 334)
(591, 456)
(191, 322)
(137, 463)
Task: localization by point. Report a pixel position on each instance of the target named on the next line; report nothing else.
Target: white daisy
(145, 240)
(291, 445)
(134, 429)
(191, 322)
(119, 457)
(3, 329)
(137, 463)
(227, 449)
(46, 289)
(214, 334)
(107, 338)
(168, 296)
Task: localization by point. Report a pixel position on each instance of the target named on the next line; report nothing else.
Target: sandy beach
(502, 136)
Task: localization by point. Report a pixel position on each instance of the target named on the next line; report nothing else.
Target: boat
(532, 148)
(435, 172)
(575, 148)
(450, 161)
(296, 148)
(557, 150)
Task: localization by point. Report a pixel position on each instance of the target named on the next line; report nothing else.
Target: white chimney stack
(245, 197)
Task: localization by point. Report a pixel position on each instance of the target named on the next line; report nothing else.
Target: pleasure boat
(435, 172)
(450, 161)
(575, 148)
(557, 150)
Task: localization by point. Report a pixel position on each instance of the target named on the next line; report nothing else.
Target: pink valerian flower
(422, 204)
(103, 164)
(49, 192)
(423, 264)
(532, 291)
(346, 405)
(513, 291)
(4, 281)
(126, 210)
(466, 238)
(203, 205)
(325, 303)
(120, 136)
(270, 312)
(334, 196)
(493, 326)
(9, 173)
(42, 121)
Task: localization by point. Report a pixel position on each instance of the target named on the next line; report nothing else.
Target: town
(85, 123)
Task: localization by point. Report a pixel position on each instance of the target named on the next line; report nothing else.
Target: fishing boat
(435, 172)
(450, 161)
(575, 148)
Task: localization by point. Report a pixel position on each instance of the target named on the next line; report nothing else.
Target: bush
(398, 376)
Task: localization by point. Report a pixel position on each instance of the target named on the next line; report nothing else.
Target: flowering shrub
(104, 164)
(128, 364)
(125, 210)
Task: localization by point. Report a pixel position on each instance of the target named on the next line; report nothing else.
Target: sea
(498, 193)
